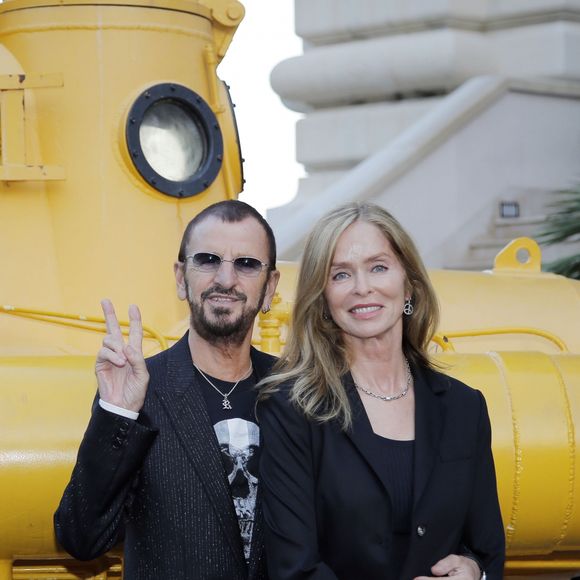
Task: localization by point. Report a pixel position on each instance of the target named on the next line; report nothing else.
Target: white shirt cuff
(118, 410)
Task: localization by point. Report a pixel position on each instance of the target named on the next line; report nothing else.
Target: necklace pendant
(225, 402)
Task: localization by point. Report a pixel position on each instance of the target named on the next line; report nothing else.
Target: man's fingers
(441, 568)
(111, 321)
(114, 344)
(137, 362)
(446, 565)
(453, 565)
(107, 355)
(134, 356)
(135, 328)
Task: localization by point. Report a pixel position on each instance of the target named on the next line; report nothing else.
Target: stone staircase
(482, 249)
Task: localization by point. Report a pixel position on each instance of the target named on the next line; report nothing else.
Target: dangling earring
(265, 309)
(408, 308)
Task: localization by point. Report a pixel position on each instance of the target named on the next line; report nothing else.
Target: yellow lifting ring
(520, 255)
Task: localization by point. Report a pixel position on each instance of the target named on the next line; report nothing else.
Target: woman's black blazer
(328, 514)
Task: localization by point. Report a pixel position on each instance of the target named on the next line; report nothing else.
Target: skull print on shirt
(239, 442)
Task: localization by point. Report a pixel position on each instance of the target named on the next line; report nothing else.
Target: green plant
(563, 224)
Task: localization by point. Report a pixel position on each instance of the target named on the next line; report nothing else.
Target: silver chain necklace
(226, 402)
(390, 397)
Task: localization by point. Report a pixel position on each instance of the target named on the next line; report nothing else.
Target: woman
(374, 465)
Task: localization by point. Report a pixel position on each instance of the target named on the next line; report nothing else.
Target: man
(169, 458)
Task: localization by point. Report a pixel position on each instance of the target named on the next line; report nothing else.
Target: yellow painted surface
(46, 404)
(534, 420)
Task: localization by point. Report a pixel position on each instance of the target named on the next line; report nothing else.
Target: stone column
(373, 68)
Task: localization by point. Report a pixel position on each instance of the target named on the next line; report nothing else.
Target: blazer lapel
(257, 549)
(429, 421)
(361, 432)
(183, 401)
(262, 366)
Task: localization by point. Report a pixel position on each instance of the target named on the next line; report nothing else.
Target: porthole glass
(171, 140)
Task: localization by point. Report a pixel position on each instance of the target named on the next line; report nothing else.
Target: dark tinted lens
(247, 265)
(206, 261)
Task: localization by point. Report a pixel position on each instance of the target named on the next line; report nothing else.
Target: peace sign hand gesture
(120, 368)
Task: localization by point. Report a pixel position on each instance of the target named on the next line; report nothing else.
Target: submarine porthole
(174, 140)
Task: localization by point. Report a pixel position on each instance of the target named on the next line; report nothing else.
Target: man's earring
(265, 309)
(408, 308)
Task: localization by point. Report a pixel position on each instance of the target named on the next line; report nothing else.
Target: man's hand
(459, 567)
(120, 368)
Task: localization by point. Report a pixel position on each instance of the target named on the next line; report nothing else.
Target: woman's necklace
(390, 397)
(226, 402)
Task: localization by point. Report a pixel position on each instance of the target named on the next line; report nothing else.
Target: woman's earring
(325, 315)
(408, 308)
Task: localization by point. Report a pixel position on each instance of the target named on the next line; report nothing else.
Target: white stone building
(439, 110)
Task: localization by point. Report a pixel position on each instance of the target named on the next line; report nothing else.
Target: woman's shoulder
(281, 392)
(278, 399)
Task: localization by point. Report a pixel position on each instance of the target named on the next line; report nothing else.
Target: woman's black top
(393, 462)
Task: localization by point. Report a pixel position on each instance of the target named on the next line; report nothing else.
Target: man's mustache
(217, 289)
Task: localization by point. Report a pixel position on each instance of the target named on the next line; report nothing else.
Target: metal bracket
(14, 165)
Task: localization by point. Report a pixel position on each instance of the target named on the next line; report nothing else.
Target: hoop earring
(408, 308)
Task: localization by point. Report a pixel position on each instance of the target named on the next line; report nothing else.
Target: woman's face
(365, 290)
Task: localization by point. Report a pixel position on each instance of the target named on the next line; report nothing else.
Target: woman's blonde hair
(314, 359)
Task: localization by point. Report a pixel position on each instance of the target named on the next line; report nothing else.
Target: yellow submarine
(115, 130)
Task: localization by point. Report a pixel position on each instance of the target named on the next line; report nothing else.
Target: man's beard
(221, 329)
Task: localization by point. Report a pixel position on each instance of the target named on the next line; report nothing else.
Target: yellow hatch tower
(115, 132)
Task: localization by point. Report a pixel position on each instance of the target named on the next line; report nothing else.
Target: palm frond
(562, 225)
(569, 267)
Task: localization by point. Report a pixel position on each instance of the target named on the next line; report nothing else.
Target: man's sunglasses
(210, 263)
